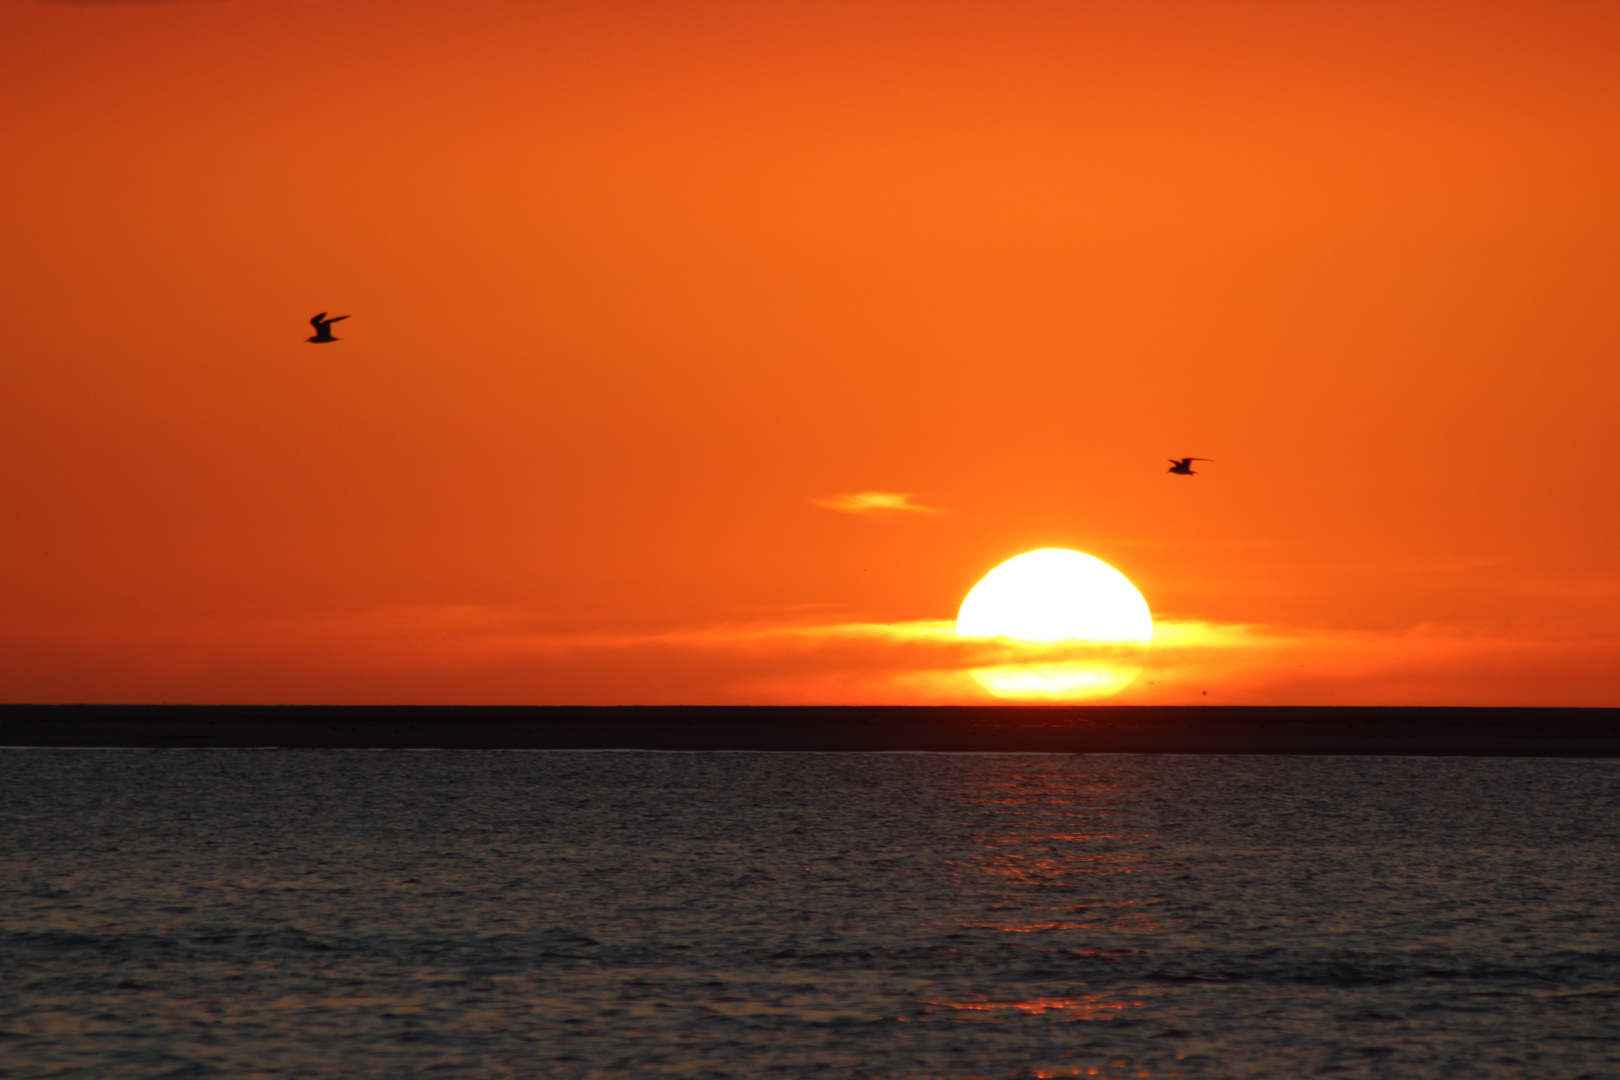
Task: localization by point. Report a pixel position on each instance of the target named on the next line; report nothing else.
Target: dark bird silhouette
(323, 328)
(1183, 466)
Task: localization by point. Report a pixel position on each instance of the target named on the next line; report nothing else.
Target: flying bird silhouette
(323, 328)
(1183, 466)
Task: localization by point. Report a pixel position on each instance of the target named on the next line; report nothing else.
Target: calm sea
(291, 913)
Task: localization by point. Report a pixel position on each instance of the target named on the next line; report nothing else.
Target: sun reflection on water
(1083, 1007)
(1057, 851)
(1061, 861)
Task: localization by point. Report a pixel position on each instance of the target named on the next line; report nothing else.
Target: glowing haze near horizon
(713, 351)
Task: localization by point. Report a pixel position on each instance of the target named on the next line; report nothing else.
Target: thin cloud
(1196, 662)
(478, 655)
(874, 503)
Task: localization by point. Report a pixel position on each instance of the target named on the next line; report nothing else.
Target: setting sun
(1079, 624)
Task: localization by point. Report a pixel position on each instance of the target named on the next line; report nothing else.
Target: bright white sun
(1074, 625)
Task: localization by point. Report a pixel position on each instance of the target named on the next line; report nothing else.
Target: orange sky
(640, 288)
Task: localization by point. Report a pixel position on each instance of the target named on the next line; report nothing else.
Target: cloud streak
(1207, 663)
(874, 503)
(476, 655)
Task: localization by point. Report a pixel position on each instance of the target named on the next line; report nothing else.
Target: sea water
(319, 913)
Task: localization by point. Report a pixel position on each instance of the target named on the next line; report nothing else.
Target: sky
(710, 351)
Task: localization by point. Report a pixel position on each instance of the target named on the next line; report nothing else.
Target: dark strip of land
(1097, 729)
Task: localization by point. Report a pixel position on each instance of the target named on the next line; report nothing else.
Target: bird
(1183, 466)
(323, 328)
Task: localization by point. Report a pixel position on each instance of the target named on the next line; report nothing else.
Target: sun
(1073, 626)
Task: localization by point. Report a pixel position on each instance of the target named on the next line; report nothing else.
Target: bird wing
(337, 318)
(317, 320)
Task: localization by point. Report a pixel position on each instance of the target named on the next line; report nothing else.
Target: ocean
(336, 913)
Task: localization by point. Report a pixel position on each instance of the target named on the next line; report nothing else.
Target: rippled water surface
(285, 913)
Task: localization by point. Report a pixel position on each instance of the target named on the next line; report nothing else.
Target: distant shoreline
(1206, 729)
